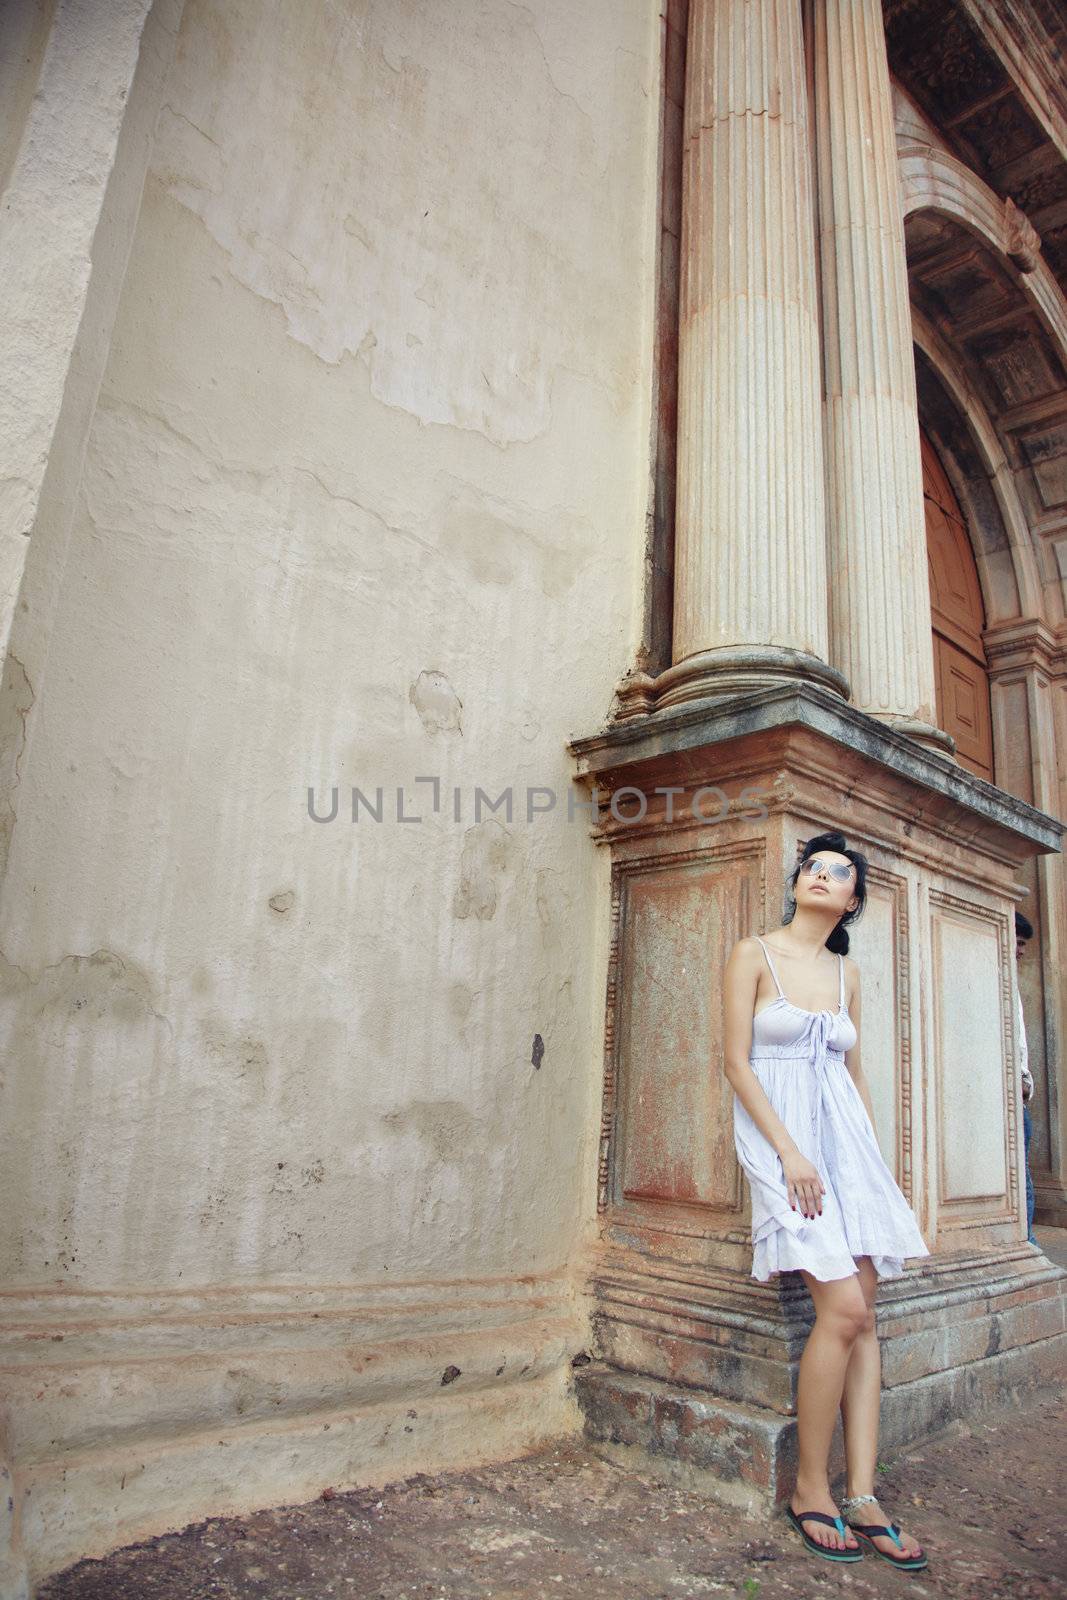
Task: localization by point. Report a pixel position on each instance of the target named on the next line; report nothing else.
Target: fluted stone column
(880, 626)
(750, 556)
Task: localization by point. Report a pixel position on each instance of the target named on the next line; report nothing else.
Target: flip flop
(873, 1530)
(813, 1544)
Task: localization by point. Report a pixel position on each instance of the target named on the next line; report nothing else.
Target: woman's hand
(803, 1184)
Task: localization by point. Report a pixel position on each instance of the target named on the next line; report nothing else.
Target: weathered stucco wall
(362, 503)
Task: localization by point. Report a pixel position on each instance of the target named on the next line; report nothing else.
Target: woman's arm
(740, 982)
(852, 1057)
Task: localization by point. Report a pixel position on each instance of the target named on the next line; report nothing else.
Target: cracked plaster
(289, 517)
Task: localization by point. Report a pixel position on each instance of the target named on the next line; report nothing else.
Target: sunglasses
(836, 869)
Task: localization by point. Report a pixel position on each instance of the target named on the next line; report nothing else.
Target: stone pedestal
(697, 1362)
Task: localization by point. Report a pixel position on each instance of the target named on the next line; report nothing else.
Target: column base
(957, 1341)
(717, 674)
(743, 1456)
(922, 732)
(745, 669)
(695, 1362)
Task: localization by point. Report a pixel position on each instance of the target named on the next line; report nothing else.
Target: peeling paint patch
(446, 1127)
(498, 543)
(236, 1050)
(93, 988)
(282, 902)
(253, 1393)
(486, 851)
(214, 1207)
(439, 707)
(16, 699)
(460, 1001)
(343, 251)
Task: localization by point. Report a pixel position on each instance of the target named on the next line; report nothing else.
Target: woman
(824, 1203)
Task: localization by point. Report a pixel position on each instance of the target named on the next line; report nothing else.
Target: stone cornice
(704, 725)
(1023, 644)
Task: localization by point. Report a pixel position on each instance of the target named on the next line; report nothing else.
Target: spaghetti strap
(841, 969)
(770, 963)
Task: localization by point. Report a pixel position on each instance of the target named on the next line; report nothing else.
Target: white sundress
(799, 1058)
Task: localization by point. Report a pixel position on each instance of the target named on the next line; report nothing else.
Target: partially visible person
(1023, 931)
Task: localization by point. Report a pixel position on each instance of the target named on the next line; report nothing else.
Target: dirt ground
(985, 1505)
(986, 1502)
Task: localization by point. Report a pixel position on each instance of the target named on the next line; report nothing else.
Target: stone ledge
(706, 726)
(95, 1501)
(745, 1455)
(84, 1369)
(741, 1454)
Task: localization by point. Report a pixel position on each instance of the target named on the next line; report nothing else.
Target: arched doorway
(957, 618)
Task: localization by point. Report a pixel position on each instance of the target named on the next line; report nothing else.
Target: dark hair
(1024, 928)
(838, 940)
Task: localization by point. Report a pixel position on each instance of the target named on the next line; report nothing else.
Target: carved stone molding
(1020, 238)
(967, 1212)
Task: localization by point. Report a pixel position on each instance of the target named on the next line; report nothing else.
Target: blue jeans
(1028, 1130)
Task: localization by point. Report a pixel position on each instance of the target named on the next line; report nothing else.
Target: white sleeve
(1024, 1053)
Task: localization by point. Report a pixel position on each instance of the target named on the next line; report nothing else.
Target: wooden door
(957, 617)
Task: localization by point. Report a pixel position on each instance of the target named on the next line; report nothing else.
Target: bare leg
(860, 1404)
(861, 1397)
(840, 1316)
